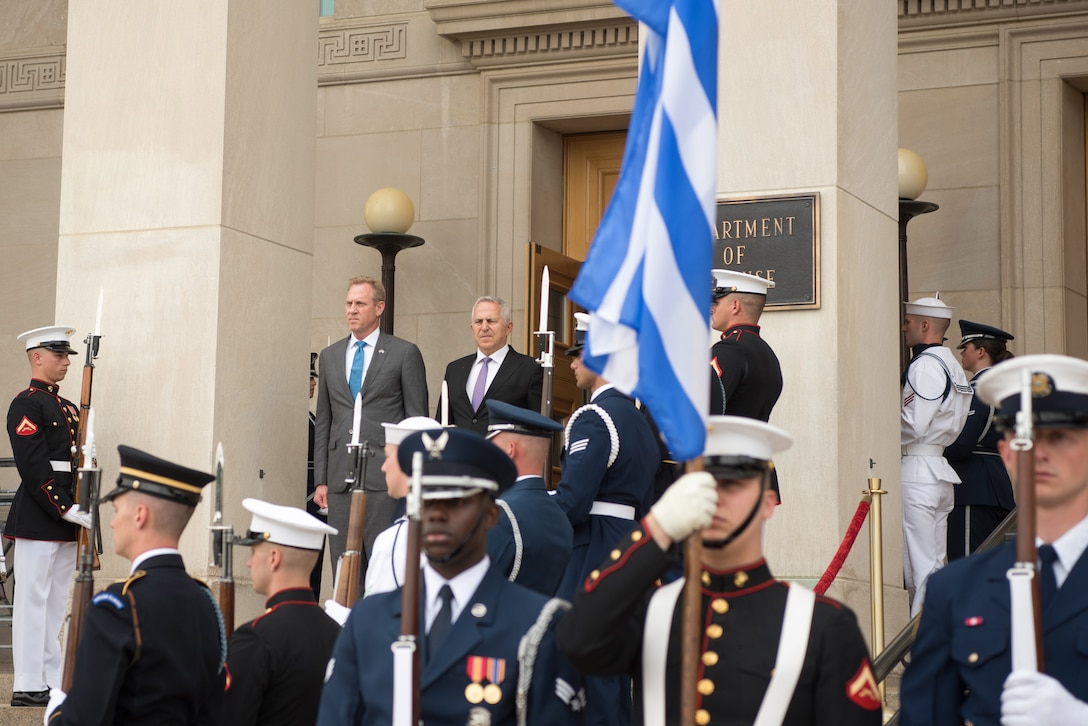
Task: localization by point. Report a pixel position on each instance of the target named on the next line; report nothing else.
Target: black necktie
(442, 622)
(1048, 584)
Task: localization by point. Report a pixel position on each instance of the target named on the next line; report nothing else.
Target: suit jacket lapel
(377, 355)
(466, 633)
(339, 372)
(509, 363)
(1069, 601)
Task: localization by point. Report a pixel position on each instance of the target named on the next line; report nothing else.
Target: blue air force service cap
(142, 472)
(1058, 388)
(505, 417)
(283, 525)
(977, 331)
(581, 327)
(57, 338)
(739, 447)
(730, 281)
(457, 463)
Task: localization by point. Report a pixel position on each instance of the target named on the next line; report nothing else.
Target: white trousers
(43, 579)
(925, 530)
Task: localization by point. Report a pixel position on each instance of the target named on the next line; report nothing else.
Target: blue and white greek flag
(646, 280)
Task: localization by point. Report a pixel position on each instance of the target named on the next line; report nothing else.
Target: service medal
(474, 693)
(492, 694)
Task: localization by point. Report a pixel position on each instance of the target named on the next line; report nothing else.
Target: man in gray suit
(388, 372)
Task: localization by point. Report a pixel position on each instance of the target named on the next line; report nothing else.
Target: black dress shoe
(36, 699)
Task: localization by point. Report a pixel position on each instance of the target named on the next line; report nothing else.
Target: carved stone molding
(341, 45)
(938, 13)
(32, 78)
(597, 41)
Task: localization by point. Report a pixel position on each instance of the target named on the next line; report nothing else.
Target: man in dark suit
(480, 635)
(960, 664)
(276, 663)
(609, 465)
(153, 645)
(388, 375)
(495, 372)
(311, 506)
(532, 541)
(43, 521)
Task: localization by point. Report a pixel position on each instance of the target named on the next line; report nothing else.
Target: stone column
(807, 102)
(187, 198)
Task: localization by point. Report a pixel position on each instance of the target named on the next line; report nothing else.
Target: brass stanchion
(876, 571)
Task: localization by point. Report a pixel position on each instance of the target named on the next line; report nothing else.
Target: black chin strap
(468, 538)
(717, 544)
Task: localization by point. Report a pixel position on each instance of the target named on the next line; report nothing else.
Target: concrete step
(21, 716)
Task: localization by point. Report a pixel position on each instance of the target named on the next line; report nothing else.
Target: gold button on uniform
(973, 658)
(615, 555)
(636, 535)
(713, 631)
(720, 605)
(594, 575)
(710, 658)
(740, 579)
(706, 578)
(702, 717)
(705, 686)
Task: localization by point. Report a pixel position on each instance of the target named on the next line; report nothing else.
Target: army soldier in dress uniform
(609, 465)
(959, 669)
(746, 377)
(769, 648)
(43, 521)
(480, 635)
(984, 496)
(276, 662)
(935, 402)
(153, 646)
(531, 543)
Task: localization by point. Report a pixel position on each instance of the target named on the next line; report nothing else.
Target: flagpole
(692, 617)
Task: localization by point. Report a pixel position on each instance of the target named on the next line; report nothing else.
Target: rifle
(691, 621)
(406, 710)
(350, 565)
(83, 589)
(547, 346)
(83, 537)
(222, 552)
(1024, 597)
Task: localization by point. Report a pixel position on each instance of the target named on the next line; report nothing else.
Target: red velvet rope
(844, 548)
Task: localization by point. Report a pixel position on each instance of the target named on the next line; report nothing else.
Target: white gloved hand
(56, 698)
(1035, 699)
(337, 612)
(77, 516)
(687, 506)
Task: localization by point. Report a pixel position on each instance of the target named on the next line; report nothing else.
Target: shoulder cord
(222, 626)
(518, 544)
(527, 652)
(613, 435)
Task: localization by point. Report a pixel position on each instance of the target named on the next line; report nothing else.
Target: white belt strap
(655, 649)
(792, 646)
(61, 466)
(923, 450)
(611, 509)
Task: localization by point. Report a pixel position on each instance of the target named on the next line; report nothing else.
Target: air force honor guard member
(43, 521)
(483, 635)
(770, 650)
(959, 668)
(276, 662)
(153, 646)
(531, 543)
(984, 496)
(935, 402)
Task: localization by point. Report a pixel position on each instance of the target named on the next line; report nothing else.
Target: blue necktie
(355, 380)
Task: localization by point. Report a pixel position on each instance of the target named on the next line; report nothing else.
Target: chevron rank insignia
(26, 427)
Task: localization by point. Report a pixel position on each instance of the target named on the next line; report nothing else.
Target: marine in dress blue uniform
(276, 662)
(746, 377)
(153, 646)
(622, 622)
(609, 464)
(532, 541)
(984, 496)
(43, 431)
(959, 668)
(495, 630)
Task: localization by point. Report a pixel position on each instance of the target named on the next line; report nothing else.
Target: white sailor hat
(581, 327)
(741, 447)
(57, 338)
(282, 525)
(396, 432)
(729, 281)
(929, 307)
(1059, 390)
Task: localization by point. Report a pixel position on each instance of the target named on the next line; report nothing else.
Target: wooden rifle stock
(692, 617)
(350, 567)
(82, 589)
(1025, 538)
(226, 604)
(409, 620)
(406, 675)
(85, 538)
